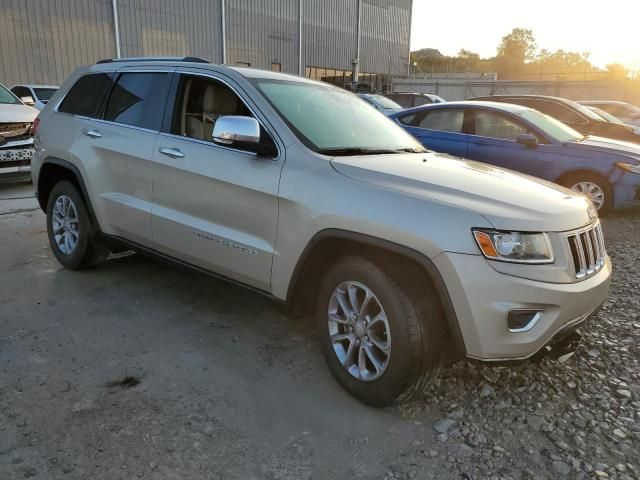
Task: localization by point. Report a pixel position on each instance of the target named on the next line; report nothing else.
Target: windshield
(6, 97)
(333, 121)
(45, 94)
(382, 101)
(585, 111)
(551, 127)
(606, 115)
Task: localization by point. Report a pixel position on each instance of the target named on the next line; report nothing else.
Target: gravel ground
(229, 389)
(576, 417)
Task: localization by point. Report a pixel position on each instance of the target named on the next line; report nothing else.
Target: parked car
(626, 112)
(380, 102)
(414, 99)
(306, 194)
(34, 95)
(525, 140)
(577, 116)
(16, 138)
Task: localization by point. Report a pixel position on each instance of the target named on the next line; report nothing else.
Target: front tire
(381, 344)
(72, 237)
(594, 187)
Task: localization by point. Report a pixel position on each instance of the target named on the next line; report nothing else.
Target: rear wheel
(73, 238)
(380, 343)
(594, 187)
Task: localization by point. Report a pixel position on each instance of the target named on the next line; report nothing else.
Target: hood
(508, 200)
(17, 113)
(606, 145)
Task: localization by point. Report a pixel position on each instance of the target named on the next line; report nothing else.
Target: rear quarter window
(88, 95)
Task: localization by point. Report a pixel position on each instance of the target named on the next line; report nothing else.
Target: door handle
(92, 133)
(171, 152)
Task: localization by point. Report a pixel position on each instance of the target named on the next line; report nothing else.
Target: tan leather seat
(218, 100)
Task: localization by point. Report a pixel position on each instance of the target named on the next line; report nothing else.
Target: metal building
(42, 41)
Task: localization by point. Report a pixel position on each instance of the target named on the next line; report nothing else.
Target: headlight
(515, 247)
(629, 167)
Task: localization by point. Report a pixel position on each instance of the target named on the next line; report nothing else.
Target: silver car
(303, 192)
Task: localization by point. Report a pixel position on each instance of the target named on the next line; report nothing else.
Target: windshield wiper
(364, 151)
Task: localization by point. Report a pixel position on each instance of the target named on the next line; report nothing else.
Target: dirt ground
(228, 387)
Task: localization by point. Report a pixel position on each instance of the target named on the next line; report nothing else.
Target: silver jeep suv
(305, 193)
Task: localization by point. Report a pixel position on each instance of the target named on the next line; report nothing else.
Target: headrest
(219, 99)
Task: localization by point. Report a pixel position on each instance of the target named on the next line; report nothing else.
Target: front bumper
(483, 297)
(15, 158)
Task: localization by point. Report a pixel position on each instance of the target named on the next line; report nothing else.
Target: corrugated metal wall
(169, 28)
(260, 33)
(42, 41)
(329, 33)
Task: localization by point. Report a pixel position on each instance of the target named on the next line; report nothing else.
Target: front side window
(333, 121)
(200, 102)
(138, 99)
(444, 120)
(88, 95)
(496, 125)
(559, 111)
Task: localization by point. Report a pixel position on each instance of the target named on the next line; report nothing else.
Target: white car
(34, 95)
(16, 136)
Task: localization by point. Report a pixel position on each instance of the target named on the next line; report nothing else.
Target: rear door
(214, 206)
(116, 148)
(493, 140)
(438, 129)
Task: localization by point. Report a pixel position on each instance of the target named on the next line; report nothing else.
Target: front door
(214, 207)
(493, 139)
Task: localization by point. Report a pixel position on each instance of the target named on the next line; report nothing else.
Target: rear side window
(138, 99)
(88, 95)
(444, 120)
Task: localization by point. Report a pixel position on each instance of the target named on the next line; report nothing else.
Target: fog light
(519, 321)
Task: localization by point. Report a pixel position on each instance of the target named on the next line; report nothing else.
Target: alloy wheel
(66, 231)
(359, 331)
(592, 190)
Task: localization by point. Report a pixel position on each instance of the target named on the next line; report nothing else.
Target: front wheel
(594, 187)
(381, 345)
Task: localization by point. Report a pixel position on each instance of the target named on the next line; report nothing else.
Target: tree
(519, 46)
(514, 50)
(617, 70)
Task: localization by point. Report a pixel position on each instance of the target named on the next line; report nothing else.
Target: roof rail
(154, 59)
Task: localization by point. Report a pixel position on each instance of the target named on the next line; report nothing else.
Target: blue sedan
(525, 140)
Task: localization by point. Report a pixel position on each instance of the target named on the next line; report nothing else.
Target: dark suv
(572, 113)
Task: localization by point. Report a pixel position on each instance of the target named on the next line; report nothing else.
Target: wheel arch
(581, 171)
(329, 245)
(52, 171)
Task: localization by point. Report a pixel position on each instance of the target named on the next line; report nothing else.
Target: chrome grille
(587, 250)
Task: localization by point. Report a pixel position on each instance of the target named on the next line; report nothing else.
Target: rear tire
(72, 237)
(396, 366)
(595, 187)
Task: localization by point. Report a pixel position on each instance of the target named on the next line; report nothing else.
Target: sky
(609, 29)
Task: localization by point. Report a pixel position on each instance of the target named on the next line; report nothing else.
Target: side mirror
(28, 100)
(527, 139)
(242, 133)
